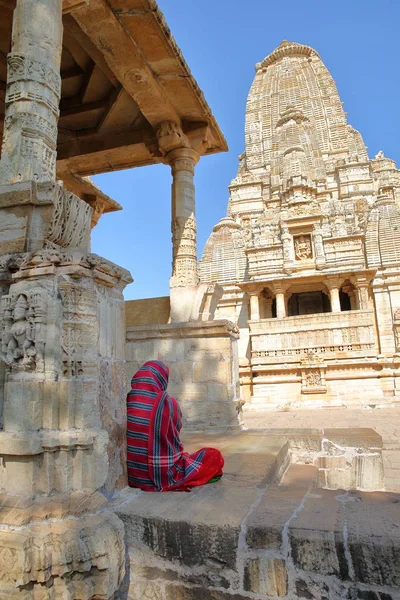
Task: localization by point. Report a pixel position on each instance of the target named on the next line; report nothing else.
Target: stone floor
(266, 530)
(385, 421)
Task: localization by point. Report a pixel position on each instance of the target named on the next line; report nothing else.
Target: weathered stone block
(211, 371)
(316, 536)
(355, 594)
(266, 576)
(311, 590)
(265, 524)
(179, 592)
(181, 372)
(194, 529)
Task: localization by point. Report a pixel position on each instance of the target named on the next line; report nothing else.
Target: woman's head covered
(154, 374)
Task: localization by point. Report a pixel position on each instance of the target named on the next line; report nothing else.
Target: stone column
(175, 146)
(254, 306)
(280, 301)
(62, 349)
(334, 287)
(33, 93)
(362, 290)
(184, 229)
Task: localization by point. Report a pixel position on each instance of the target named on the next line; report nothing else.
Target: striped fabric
(156, 458)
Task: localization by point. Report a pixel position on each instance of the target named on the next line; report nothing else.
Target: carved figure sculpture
(19, 345)
(302, 247)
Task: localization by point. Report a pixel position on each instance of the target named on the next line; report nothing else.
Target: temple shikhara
(308, 254)
(295, 303)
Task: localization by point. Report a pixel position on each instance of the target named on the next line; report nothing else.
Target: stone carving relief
(361, 209)
(30, 136)
(312, 373)
(184, 251)
(71, 224)
(23, 320)
(313, 378)
(303, 247)
(79, 330)
(171, 136)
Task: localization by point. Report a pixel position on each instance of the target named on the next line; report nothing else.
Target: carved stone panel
(71, 224)
(23, 323)
(303, 247)
(79, 331)
(313, 374)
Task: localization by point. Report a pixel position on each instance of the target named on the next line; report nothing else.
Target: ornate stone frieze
(27, 68)
(71, 223)
(23, 322)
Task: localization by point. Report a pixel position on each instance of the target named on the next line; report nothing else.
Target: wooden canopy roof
(122, 76)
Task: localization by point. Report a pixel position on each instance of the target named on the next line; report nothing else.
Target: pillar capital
(176, 147)
(253, 289)
(280, 288)
(182, 159)
(333, 283)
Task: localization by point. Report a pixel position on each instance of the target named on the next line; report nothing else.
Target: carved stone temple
(308, 255)
(86, 86)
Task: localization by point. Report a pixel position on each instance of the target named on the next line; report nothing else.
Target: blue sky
(221, 41)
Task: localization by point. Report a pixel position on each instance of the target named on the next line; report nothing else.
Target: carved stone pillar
(62, 349)
(182, 159)
(35, 210)
(334, 288)
(184, 229)
(362, 290)
(320, 259)
(279, 291)
(254, 306)
(33, 93)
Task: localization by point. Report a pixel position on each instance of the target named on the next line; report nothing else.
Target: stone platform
(268, 529)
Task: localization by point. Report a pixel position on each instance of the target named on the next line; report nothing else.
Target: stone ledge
(247, 537)
(189, 329)
(29, 444)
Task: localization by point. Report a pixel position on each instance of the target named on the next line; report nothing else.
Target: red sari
(156, 459)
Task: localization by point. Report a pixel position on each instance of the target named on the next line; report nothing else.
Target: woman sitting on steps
(156, 459)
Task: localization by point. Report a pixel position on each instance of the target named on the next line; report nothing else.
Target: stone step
(247, 537)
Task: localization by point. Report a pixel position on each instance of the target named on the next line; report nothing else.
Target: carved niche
(303, 247)
(23, 322)
(313, 368)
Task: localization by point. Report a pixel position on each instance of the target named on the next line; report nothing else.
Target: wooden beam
(79, 36)
(109, 106)
(123, 56)
(86, 83)
(79, 109)
(98, 142)
(74, 71)
(70, 5)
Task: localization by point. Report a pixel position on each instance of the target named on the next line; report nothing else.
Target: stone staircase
(268, 529)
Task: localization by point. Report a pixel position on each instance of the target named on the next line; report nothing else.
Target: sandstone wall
(147, 311)
(203, 361)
